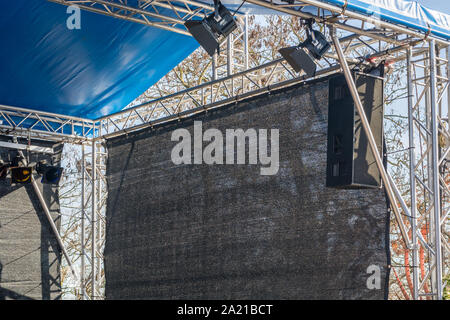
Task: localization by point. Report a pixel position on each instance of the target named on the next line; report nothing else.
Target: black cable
(387, 228)
(403, 266)
(239, 7)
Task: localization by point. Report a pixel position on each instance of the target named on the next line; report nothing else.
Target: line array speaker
(350, 161)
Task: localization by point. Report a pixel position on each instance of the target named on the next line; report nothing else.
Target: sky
(439, 5)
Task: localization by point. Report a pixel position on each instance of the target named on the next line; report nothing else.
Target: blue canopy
(87, 73)
(105, 65)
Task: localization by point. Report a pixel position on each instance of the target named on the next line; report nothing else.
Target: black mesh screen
(226, 232)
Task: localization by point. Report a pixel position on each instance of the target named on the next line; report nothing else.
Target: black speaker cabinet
(350, 162)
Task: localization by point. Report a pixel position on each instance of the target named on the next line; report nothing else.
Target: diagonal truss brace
(368, 132)
(52, 224)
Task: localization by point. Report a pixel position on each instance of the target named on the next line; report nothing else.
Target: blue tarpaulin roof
(105, 65)
(88, 73)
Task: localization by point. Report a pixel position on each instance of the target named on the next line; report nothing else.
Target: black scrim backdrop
(227, 232)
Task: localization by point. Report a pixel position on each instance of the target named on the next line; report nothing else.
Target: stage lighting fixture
(209, 31)
(21, 174)
(299, 60)
(304, 56)
(50, 174)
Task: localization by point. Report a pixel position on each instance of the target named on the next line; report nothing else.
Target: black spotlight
(21, 175)
(208, 31)
(50, 174)
(299, 60)
(304, 56)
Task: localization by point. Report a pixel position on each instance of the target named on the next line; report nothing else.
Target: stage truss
(421, 212)
(164, 14)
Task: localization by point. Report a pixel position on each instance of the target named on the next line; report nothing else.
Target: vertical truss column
(435, 171)
(83, 227)
(94, 294)
(214, 67)
(412, 180)
(429, 172)
(98, 224)
(429, 185)
(233, 54)
(230, 55)
(246, 42)
(447, 51)
(87, 263)
(93, 203)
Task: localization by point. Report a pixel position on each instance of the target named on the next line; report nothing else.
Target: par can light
(304, 56)
(209, 31)
(50, 174)
(21, 175)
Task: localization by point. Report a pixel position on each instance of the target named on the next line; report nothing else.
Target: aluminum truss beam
(237, 86)
(44, 125)
(48, 126)
(31, 148)
(147, 12)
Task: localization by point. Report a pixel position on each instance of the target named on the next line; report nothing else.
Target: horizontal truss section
(44, 125)
(163, 14)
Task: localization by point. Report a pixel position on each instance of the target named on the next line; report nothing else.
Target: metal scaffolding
(428, 84)
(421, 211)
